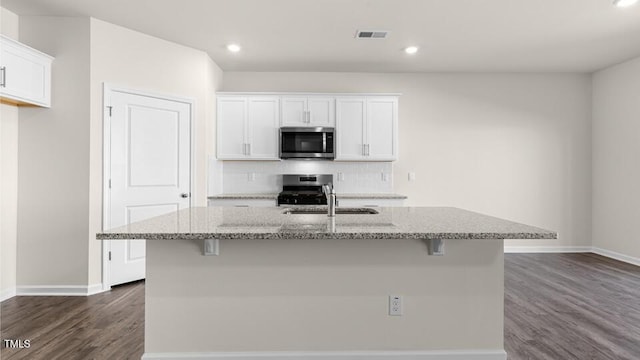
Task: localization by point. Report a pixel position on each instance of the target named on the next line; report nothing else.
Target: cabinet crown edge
(15, 42)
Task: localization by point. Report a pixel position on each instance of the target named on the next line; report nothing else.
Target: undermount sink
(339, 211)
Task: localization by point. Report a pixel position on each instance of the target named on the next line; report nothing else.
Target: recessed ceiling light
(233, 47)
(411, 50)
(624, 3)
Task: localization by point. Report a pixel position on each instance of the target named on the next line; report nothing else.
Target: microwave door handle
(324, 142)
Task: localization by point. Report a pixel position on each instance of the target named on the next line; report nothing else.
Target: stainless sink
(339, 211)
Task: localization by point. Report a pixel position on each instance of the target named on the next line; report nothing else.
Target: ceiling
(318, 35)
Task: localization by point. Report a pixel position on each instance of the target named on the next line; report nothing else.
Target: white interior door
(149, 170)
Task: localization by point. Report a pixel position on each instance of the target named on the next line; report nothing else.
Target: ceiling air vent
(371, 34)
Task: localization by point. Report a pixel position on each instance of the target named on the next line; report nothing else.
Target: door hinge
(109, 255)
(109, 183)
(110, 110)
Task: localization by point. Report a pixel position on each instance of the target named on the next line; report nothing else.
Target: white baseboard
(7, 294)
(617, 256)
(58, 290)
(336, 355)
(547, 249)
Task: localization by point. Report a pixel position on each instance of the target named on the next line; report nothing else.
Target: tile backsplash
(265, 176)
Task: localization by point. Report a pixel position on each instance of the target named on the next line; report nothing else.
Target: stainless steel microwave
(307, 143)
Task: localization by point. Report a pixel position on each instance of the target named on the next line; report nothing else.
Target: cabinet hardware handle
(184, 195)
(368, 149)
(244, 148)
(249, 149)
(3, 72)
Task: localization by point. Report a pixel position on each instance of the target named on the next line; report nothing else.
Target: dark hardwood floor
(557, 306)
(103, 326)
(571, 306)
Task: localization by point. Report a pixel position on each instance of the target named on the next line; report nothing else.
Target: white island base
(324, 299)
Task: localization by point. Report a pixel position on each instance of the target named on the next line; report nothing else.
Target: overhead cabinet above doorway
(25, 74)
(366, 125)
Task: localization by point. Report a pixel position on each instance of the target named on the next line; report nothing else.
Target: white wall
(53, 192)
(60, 164)
(616, 170)
(9, 24)
(134, 60)
(516, 146)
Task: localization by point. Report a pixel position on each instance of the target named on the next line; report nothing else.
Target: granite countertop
(340, 196)
(201, 223)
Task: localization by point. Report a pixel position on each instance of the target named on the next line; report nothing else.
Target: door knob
(184, 195)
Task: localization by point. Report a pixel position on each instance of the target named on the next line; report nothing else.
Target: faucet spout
(330, 193)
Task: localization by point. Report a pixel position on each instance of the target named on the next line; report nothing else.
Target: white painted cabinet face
(231, 119)
(366, 128)
(25, 74)
(350, 129)
(308, 111)
(381, 128)
(262, 128)
(247, 128)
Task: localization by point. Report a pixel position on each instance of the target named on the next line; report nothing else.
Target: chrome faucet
(330, 193)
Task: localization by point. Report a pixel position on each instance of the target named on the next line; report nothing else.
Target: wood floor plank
(103, 326)
(571, 306)
(557, 307)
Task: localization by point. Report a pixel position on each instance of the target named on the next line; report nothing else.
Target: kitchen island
(306, 286)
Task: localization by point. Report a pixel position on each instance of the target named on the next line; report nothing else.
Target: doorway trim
(107, 90)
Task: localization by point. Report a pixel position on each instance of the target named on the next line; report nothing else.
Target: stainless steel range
(304, 189)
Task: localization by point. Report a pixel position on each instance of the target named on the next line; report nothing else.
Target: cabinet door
(381, 129)
(322, 111)
(25, 74)
(231, 120)
(350, 126)
(294, 111)
(262, 128)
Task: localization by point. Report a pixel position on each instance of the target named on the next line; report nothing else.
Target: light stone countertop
(340, 196)
(201, 223)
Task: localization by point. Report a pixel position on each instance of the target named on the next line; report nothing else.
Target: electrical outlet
(385, 177)
(395, 305)
(340, 176)
(412, 176)
(252, 176)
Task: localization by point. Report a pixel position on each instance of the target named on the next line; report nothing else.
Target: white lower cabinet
(25, 74)
(242, 202)
(367, 128)
(247, 127)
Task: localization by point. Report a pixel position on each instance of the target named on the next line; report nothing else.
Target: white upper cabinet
(350, 130)
(382, 122)
(25, 74)
(366, 125)
(247, 127)
(367, 128)
(262, 128)
(308, 111)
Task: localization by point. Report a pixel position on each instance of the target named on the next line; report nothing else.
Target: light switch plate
(412, 176)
